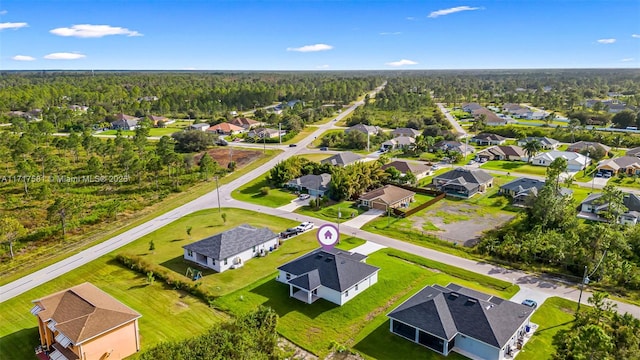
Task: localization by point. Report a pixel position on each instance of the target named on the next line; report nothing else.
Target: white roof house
(575, 161)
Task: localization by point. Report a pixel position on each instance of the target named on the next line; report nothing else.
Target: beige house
(388, 196)
(85, 323)
(629, 165)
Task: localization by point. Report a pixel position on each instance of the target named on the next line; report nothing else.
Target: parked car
(324, 148)
(530, 303)
(607, 175)
(293, 145)
(307, 225)
(304, 196)
(599, 174)
(290, 232)
(222, 142)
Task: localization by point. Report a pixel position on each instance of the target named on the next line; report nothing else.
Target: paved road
(207, 201)
(456, 126)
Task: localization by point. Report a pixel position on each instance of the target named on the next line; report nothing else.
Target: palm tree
(572, 126)
(531, 149)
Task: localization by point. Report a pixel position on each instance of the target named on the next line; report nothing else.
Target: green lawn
(167, 314)
(514, 166)
(554, 315)
(359, 323)
(316, 157)
(301, 135)
(627, 181)
(316, 143)
(250, 192)
(330, 213)
(152, 132)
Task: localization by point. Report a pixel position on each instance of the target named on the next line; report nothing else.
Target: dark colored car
(324, 148)
(289, 233)
(293, 145)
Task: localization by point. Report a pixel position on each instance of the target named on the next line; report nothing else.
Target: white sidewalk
(362, 219)
(367, 248)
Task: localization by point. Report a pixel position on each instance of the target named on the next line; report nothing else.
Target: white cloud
(312, 48)
(410, 18)
(23, 58)
(325, 66)
(391, 33)
(627, 59)
(93, 31)
(64, 56)
(453, 10)
(402, 62)
(606, 41)
(3, 12)
(13, 25)
(635, 36)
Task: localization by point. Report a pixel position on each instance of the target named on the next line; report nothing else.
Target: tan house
(629, 165)
(85, 323)
(226, 129)
(388, 196)
(418, 169)
(582, 146)
(245, 123)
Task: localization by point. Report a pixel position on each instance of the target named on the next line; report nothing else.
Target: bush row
(178, 282)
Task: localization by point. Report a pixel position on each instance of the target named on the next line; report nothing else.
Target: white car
(307, 225)
(304, 196)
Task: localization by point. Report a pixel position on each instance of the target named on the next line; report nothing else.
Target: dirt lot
(459, 222)
(241, 157)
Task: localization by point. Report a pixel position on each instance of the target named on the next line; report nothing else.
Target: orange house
(85, 323)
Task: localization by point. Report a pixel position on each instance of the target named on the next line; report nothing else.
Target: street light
(218, 191)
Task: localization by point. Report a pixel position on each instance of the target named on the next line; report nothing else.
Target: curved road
(548, 286)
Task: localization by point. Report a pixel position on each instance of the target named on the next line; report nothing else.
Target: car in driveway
(530, 303)
(290, 232)
(324, 148)
(304, 196)
(307, 225)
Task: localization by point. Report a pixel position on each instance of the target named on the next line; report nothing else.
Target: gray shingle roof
(474, 176)
(372, 130)
(342, 159)
(231, 242)
(336, 269)
(314, 182)
(631, 201)
(308, 281)
(489, 137)
(634, 152)
(405, 166)
(444, 312)
(405, 132)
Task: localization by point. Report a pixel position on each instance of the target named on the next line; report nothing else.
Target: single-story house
(125, 122)
(200, 127)
(400, 142)
(226, 128)
(491, 119)
(470, 107)
(455, 146)
(342, 159)
(629, 165)
(545, 142)
(582, 146)
(315, 185)
(575, 161)
(365, 129)
(419, 170)
(334, 275)
(155, 120)
(84, 322)
(522, 189)
(463, 182)
(245, 123)
(455, 318)
(263, 133)
(511, 107)
(405, 132)
(386, 197)
(231, 248)
(594, 205)
(634, 152)
(503, 152)
(488, 139)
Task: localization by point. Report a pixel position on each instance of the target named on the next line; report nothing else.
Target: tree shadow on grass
(281, 303)
(20, 344)
(179, 265)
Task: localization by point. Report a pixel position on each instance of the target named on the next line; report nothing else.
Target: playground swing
(193, 274)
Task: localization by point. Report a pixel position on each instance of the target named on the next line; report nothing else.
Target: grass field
(554, 315)
(627, 181)
(330, 213)
(250, 192)
(301, 135)
(361, 323)
(316, 157)
(514, 166)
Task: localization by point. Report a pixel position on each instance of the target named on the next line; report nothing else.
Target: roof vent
(319, 256)
(453, 296)
(471, 301)
(328, 260)
(489, 306)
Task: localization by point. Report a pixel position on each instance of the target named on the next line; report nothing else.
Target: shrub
(264, 190)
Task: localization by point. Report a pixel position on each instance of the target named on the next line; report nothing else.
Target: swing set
(193, 274)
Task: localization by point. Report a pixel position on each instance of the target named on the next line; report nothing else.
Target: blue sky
(313, 35)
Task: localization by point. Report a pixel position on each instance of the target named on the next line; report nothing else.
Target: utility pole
(264, 141)
(218, 191)
(339, 215)
(280, 132)
(368, 135)
(585, 278)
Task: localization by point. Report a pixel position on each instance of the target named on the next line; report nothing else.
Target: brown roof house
(388, 196)
(418, 169)
(634, 152)
(629, 165)
(502, 152)
(226, 129)
(488, 139)
(86, 323)
(590, 146)
(245, 123)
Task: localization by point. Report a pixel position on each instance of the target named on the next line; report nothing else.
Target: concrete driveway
(367, 248)
(293, 205)
(360, 220)
(529, 293)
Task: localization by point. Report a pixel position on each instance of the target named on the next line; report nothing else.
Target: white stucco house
(232, 248)
(334, 275)
(575, 161)
(454, 318)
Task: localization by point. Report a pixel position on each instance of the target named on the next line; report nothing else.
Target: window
(356, 287)
(189, 253)
(213, 262)
(225, 261)
(254, 249)
(288, 276)
(346, 293)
